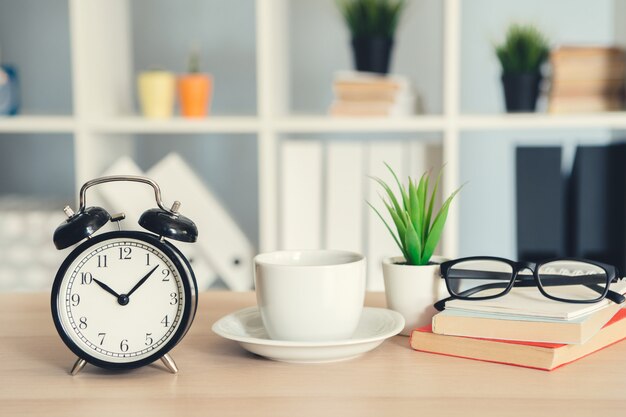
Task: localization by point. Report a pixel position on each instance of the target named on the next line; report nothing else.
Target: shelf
(316, 124)
(217, 124)
(37, 124)
(243, 124)
(322, 124)
(527, 121)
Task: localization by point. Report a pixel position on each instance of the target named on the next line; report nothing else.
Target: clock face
(121, 300)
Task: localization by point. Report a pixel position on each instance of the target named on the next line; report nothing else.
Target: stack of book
(524, 329)
(587, 79)
(361, 94)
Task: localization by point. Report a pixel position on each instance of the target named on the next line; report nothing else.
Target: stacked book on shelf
(362, 94)
(523, 328)
(587, 79)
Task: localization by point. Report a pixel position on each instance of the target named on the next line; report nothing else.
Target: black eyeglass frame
(528, 280)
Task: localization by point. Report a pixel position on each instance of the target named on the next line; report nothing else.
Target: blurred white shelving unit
(103, 85)
(37, 124)
(529, 121)
(325, 124)
(214, 124)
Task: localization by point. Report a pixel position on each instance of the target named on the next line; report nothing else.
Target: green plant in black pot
(521, 56)
(372, 24)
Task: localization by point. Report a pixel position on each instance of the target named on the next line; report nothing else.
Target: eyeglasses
(568, 280)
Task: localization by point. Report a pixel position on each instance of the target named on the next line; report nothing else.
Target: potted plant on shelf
(521, 56)
(156, 93)
(412, 281)
(372, 24)
(194, 89)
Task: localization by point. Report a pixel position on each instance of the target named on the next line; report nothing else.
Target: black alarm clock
(124, 299)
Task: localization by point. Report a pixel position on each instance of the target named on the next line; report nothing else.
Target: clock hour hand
(141, 281)
(106, 288)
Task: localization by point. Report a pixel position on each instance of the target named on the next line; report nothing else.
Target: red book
(544, 356)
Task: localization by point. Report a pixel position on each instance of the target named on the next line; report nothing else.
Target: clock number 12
(125, 253)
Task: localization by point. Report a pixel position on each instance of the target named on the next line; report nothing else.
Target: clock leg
(78, 366)
(169, 363)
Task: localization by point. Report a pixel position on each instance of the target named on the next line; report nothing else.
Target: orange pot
(194, 93)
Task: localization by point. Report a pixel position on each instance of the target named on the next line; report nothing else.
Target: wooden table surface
(218, 378)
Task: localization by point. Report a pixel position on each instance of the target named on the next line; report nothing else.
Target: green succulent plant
(193, 64)
(524, 50)
(372, 17)
(418, 226)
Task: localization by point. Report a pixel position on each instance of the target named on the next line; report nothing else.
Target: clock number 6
(124, 345)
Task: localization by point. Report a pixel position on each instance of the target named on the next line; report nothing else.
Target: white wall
(34, 36)
(488, 159)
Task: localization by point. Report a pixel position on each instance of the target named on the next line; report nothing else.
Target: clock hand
(106, 288)
(140, 283)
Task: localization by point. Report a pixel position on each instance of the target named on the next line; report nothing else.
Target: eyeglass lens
(573, 280)
(479, 278)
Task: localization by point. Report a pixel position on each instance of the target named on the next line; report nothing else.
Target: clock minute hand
(141, 281)
(106, 288)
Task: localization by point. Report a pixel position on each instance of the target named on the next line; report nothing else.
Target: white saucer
(245, 326)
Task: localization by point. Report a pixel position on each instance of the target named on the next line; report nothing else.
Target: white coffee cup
(310, 295)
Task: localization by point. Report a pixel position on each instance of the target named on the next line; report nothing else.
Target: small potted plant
(412, 281)
(194, 89)
(521, 56)
(372, 24)
(156, 91)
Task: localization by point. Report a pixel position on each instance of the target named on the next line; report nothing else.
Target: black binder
(597, 204)
(541, 193)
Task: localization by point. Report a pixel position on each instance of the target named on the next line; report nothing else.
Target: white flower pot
(411, 290)
(156, 94)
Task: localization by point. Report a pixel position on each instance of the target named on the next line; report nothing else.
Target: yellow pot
(156, 94)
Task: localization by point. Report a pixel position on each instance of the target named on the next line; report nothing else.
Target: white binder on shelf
(225, 246)
(345, 195)
(301, 194)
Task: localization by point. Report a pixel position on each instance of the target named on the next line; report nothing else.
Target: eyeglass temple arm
(441, 304)
(616, 297)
